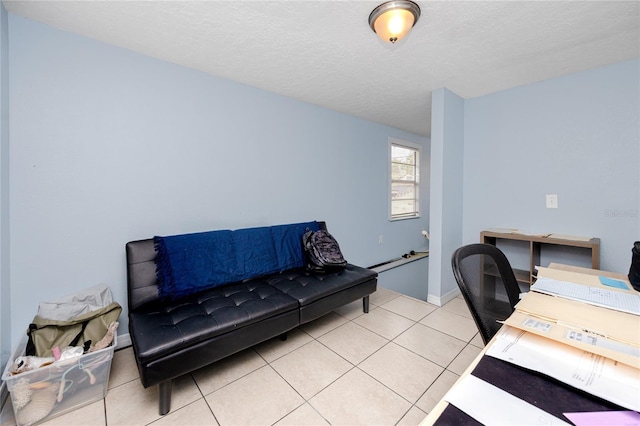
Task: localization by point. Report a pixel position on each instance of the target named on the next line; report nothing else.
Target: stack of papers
(606, 298)
(587, 336)
(608, 333)
(597, 375)
(554, 332)
(569, 237)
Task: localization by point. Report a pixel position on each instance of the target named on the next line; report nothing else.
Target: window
(405, 180)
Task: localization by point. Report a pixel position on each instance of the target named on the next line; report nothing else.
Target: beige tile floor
(387, 367)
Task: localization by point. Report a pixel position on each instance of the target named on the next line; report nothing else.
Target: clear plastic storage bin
(47, 392)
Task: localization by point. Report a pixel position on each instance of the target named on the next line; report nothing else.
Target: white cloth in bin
(71, 306)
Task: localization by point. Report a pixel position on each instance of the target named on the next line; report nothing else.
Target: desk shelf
(536, 244)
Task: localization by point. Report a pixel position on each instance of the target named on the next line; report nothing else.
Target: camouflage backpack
(323, 252)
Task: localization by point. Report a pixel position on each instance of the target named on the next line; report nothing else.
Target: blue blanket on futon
(189, 263)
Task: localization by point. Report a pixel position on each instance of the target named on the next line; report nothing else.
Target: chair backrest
(488, 285)
(634, 269)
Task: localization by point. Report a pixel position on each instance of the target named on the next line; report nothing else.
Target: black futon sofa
(174, 337)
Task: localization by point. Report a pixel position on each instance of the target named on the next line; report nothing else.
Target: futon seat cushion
(164, 329)
(309, 287)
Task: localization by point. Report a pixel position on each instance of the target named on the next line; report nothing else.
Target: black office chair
(634, 269)
(488, 285)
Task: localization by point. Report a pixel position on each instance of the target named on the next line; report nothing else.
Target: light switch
(552, 201)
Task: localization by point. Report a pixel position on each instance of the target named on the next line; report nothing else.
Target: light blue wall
(109, 146)
(5, 289)
(447, 140)
(576, 136)
(410, 278)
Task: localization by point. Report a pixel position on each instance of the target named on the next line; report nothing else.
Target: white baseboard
(444, 299)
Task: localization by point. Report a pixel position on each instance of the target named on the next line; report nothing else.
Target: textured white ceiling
(324, 52)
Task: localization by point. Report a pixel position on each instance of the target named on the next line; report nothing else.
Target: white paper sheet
(597, 375)
(464, 395)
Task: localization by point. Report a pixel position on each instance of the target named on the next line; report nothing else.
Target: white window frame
(416, 182)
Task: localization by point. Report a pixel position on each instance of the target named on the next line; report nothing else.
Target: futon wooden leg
(365, 304)
(164, 393)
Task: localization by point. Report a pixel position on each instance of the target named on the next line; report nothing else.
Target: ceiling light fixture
(394, 19)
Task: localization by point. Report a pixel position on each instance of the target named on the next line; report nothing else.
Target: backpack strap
(76, 339)
(30, 350)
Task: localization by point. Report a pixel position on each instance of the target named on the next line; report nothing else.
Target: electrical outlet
(552, 201)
